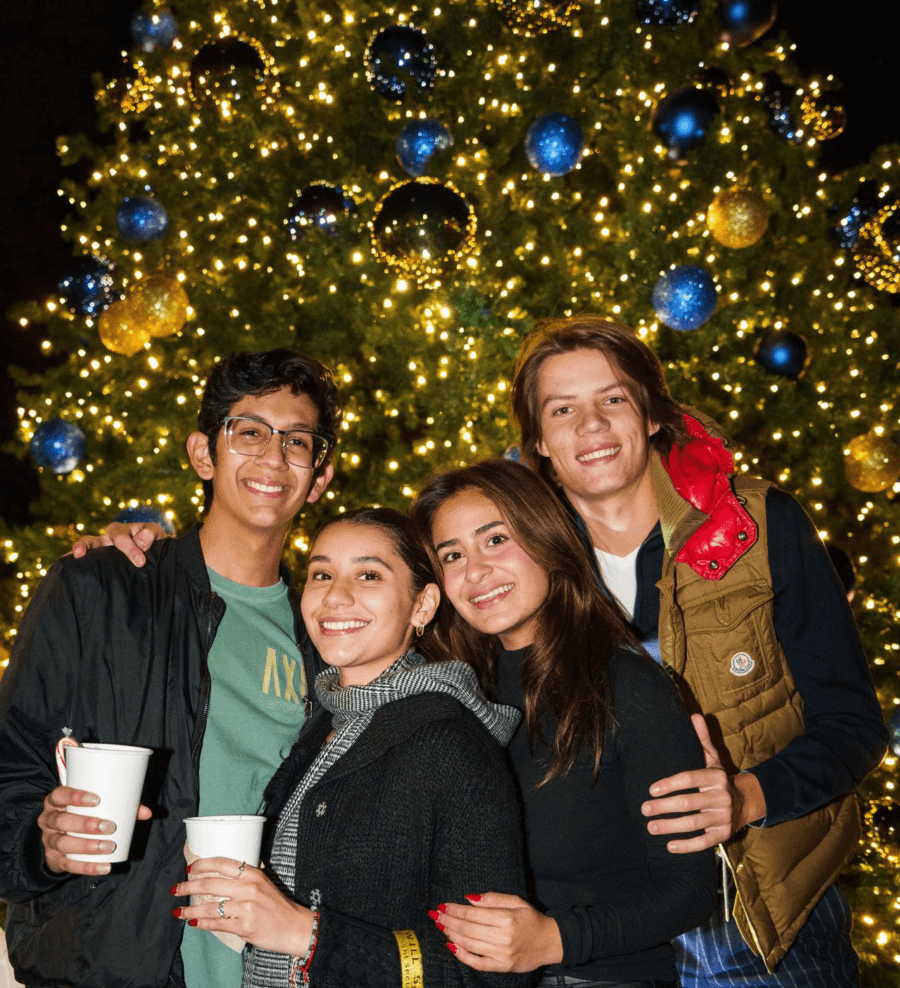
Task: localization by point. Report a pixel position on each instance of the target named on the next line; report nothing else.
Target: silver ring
(221, 909)
(240, 869)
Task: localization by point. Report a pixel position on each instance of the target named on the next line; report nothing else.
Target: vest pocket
(731, 647)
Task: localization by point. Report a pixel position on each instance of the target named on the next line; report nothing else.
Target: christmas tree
(401, 191)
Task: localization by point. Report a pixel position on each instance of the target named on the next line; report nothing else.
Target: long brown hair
(578, 630)
(639, 366)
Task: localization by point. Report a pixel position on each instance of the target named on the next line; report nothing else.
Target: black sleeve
(477, 848)
(34, 707)
(844, 733)
(654, 738)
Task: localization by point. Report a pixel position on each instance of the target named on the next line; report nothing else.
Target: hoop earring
(420, 630)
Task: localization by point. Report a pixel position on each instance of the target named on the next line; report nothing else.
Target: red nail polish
(452, 948)
(173, 890)
(473, 898)
(440, 926)
(193, 922)
(177, 912)
(442, 908)
(189, 869)
(434, 914)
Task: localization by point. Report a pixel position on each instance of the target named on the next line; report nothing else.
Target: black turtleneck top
(616, 893)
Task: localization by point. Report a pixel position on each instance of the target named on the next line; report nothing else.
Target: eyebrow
(302, 426)
(478, 531)
(356, 559)
(598, 391)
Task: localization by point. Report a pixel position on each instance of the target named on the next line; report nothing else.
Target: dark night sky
(51, 48)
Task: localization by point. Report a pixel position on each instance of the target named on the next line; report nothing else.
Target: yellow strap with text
(410, 959)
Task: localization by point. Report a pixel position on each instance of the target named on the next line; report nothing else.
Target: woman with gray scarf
(395, 798)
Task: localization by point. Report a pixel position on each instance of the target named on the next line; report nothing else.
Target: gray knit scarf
(352, 709)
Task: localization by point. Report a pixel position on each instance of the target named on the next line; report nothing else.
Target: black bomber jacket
(116, 654)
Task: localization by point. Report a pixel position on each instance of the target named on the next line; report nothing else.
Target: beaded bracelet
(300, 965)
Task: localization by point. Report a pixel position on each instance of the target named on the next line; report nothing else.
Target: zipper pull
(725, 877)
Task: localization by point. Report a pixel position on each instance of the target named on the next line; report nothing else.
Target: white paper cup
(238, 837)
(115, 772)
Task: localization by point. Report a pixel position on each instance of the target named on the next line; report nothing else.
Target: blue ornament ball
(783, 353)
(58, 445)
(744, 21)
(153, 31)
(418, 142)
(141, 219)
(401, 59)
(867, 203)
(669, 13)
(318, 207)
(778, 98)
(682, 119)
(685, 297)
(144, 512)
(513, 453)
(87, 289)
(554, 144)
(894, 730)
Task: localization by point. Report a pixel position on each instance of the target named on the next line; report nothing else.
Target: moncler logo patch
(742, 664)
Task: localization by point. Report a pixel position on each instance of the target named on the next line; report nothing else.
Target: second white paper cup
(115, 772)
(238, 837)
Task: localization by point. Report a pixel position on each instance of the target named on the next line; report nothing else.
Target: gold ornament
(120, 329)
(824, 117)
(132, 90)
(738, 217)
(160, 305)
(531, 17)
(878, 249)
(423, 229)
(872, 463)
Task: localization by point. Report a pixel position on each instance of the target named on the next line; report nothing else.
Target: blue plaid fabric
(715, 955)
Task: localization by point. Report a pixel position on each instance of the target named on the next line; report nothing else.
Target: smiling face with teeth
(488, 577)
(358, 602)
(592, 430)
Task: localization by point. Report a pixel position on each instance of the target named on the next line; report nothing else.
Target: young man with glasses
(200, 655)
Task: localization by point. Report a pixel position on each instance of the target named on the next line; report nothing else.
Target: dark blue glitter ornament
(512, 453)
(87, 289)
(667, 12)
(782, 353)
(894, 730)
(153, 31)
(401, 58)
(58, 445)
(685, 297)
(743, 21)
(682, 119)
(868, 202)
(418, 141)
(318, 207)
(778, 98)
(554, 143)
(144, 512)
(141, 218)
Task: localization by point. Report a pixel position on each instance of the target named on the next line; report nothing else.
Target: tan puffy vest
(719, 639)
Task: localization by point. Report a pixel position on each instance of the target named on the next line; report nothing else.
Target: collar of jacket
(704, 524)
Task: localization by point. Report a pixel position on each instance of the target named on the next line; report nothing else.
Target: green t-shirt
(258, 685)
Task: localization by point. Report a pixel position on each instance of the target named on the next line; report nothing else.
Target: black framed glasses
(251, 437)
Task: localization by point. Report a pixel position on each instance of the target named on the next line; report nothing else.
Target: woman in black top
(394, 798)
(602, 723)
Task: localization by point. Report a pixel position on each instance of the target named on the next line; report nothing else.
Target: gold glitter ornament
(531, 17)
(872, 463)
(824, 117)
(160, 305)
(131, 90)
(423, 229)
(878, 249)
(738, 217)
(121, 330)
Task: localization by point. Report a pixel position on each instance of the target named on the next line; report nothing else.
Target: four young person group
(507, 610)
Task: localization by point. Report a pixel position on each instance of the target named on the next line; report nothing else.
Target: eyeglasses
(251, 437)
